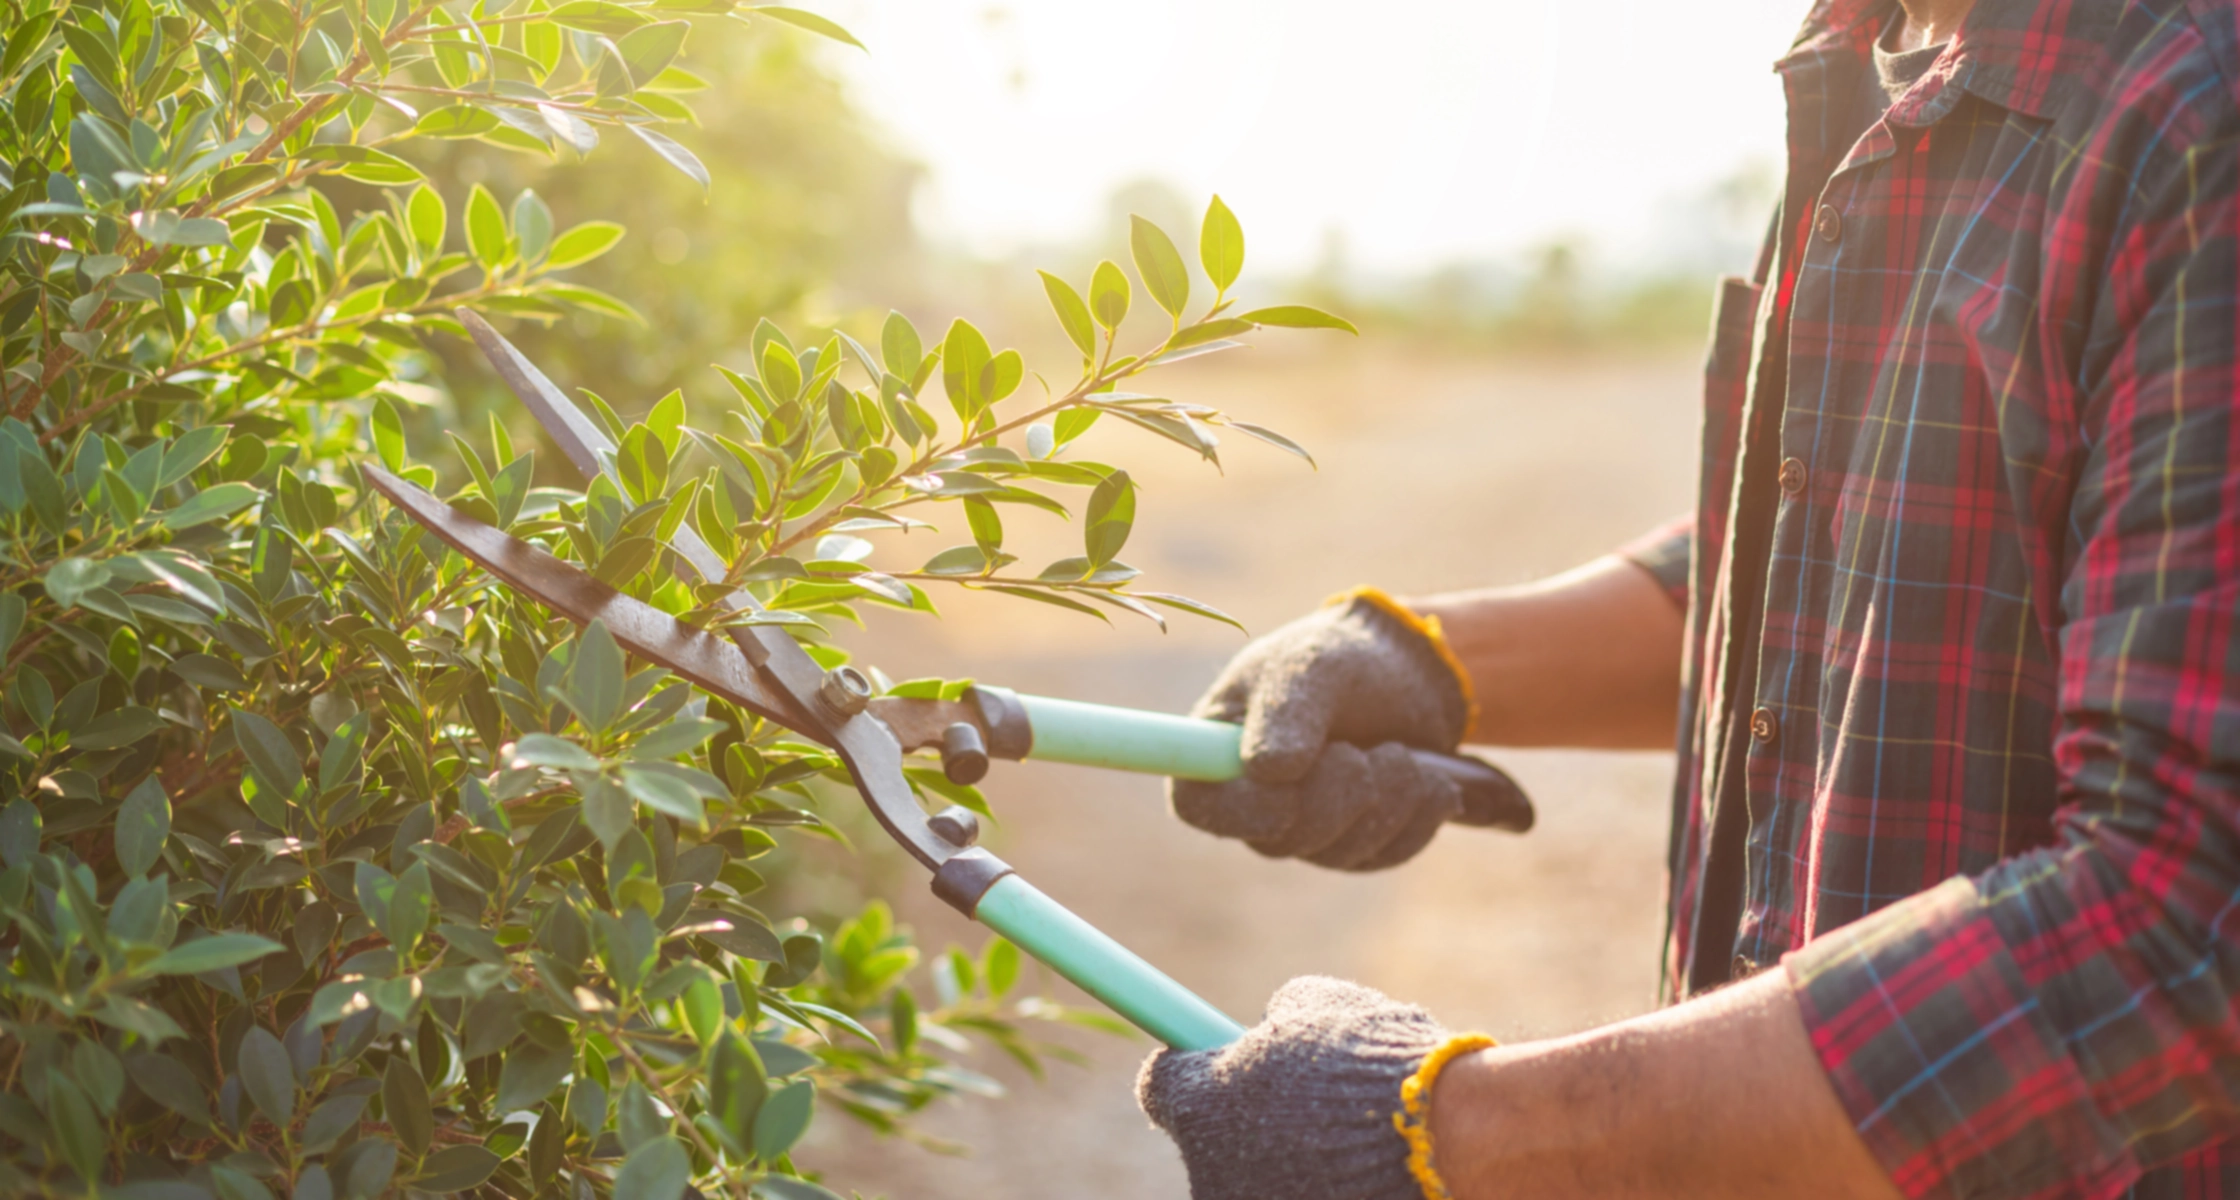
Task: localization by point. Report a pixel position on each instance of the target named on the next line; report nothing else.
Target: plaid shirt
(1961, 731)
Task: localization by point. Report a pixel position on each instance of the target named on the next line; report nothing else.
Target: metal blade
(580, 438)
(589, 448)
(869, 749)
(702, 657)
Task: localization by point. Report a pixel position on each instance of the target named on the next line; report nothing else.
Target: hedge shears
(764, 671)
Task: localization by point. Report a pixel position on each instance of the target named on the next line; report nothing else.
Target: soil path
(1436, 471)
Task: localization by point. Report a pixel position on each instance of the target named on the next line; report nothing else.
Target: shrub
(328, 868)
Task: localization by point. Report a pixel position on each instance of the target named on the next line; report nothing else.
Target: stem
(646, 1076)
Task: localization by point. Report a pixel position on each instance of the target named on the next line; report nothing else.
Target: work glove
(1326, 1099)
(1330, 705)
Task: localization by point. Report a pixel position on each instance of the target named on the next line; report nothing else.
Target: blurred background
(1522, 205)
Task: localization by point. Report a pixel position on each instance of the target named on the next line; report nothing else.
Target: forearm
(1722, 1096)
(1588, 658)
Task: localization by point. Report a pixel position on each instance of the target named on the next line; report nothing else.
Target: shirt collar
(2023, 55)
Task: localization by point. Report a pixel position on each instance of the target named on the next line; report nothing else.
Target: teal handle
(1104, 968)
(1127, 739)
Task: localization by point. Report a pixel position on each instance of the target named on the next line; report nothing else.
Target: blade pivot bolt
(845, 691)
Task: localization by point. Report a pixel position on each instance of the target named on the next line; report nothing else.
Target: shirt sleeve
(2071, 1017)
(1663, 552)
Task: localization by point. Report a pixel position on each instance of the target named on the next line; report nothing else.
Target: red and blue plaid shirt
(1961, 734)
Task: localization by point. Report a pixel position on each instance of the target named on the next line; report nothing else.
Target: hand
(1311, 696)
(1301, 1107)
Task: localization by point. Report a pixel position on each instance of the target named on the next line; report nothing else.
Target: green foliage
(329, 868)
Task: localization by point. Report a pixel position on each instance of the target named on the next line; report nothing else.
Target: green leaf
(965, 357)
(702, 1004)
(899, 347)
(271, 755)
(143, 825)
(213, 953)
(999, 964)
(803, 19)
(388, 435)
(168, 1083)
(455, 1169)
(1275, 439)
(404, 1103)
(783, 1119)
(268, 1075)
(19, 833)
(486, 231)
(424, 215)
(675, 155)
(677, 737)
(1111, 513)
(658, 1170)
(189, 451)
(343, 752)
(1203, 332)
(736, 1089)
(1073, 313)
(211, 504)
(12, 611)
(1297, 316)
(68, 580)
(75, 1124)
(545, 750)
(1221, 245)
(598, 16)
(409, 906)
(596, 678)
(116, 729)
(649, 50)
(785, 1187)
(530, 1073)
(141, 1020)
(1108, 295)
(532, 227)
(1159, 265)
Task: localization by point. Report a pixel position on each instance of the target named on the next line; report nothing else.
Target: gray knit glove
(1302, 1107)
(1330, 704)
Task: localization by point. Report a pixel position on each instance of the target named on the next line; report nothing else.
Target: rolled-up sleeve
(2060, 1023)
(1664, 553)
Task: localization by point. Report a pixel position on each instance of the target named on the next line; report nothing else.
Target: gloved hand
(1326, 1099)
(1360, 672)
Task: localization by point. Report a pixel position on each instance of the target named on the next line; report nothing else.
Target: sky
(1421, 132)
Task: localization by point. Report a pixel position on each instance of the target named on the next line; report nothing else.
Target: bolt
(845, 691)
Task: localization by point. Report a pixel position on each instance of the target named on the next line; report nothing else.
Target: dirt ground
(1436, 471)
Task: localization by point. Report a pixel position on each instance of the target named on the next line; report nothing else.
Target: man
(1956, 638)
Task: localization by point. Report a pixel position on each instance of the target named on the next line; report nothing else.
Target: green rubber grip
(1104, 968)
(1152, 743)
(1127, 739)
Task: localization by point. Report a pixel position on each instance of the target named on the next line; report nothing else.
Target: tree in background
(328, 868)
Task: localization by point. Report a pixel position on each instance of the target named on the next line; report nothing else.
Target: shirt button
(1763, 726)
(1792, 476)
(1829, 224)
(1743, 968)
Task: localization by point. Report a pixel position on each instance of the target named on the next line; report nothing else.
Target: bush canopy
(329, 868)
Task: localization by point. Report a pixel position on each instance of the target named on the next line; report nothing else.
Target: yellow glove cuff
(1431, 632)
(1414, 1121)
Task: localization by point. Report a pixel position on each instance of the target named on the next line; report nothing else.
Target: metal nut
(845, 691)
